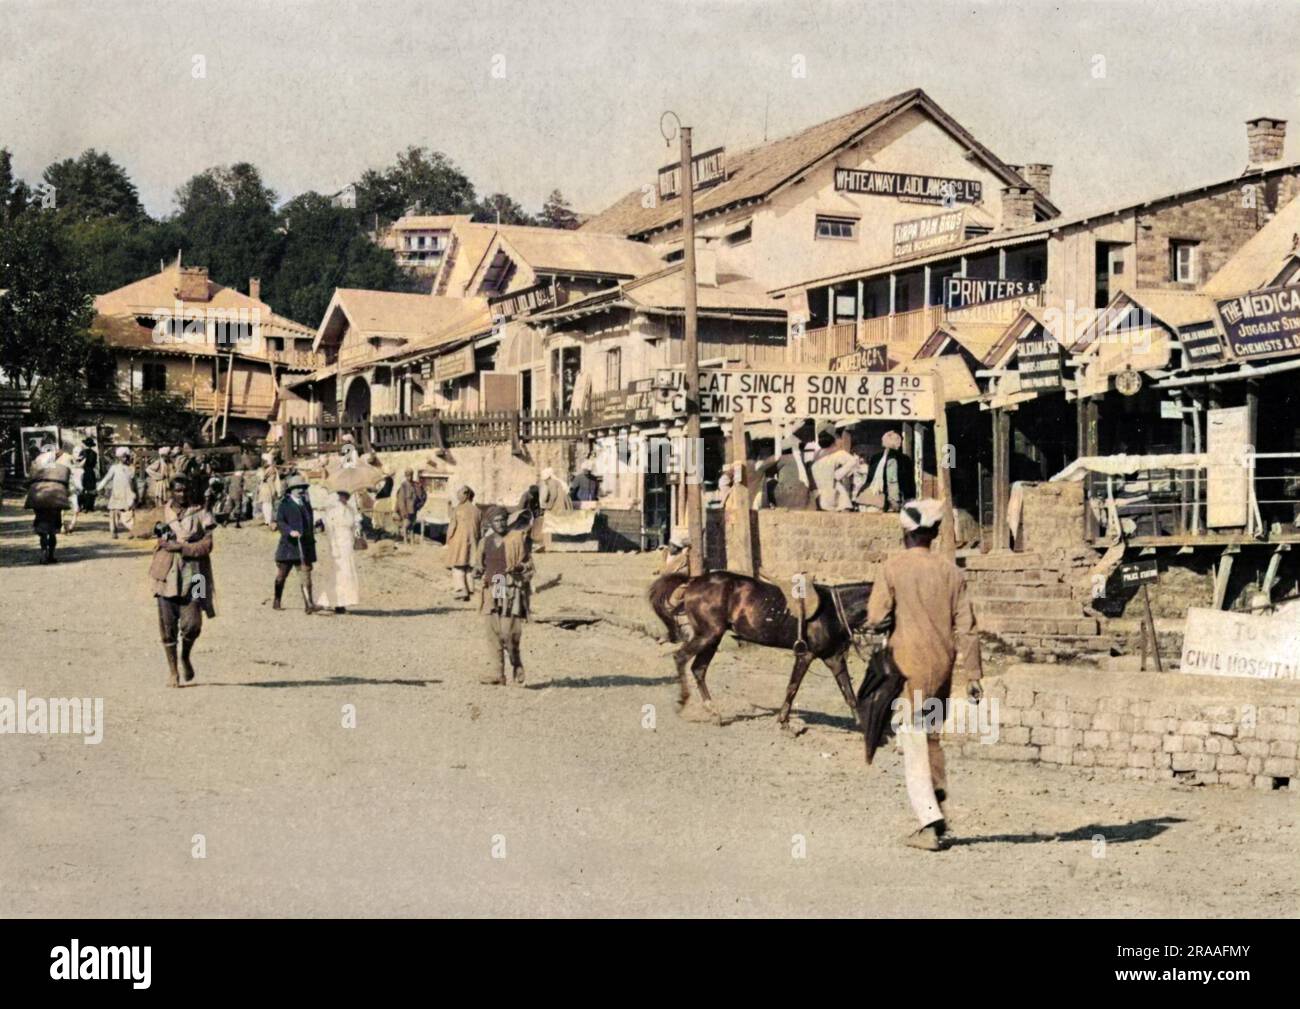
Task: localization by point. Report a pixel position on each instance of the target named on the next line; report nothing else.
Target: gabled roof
(757, 173)
(1169, 309)
(392, 315)
(663, 292)
(158, 295)
(560, 252)
(428, 222)
(1262, 258)
(465, 247)
(976, 338)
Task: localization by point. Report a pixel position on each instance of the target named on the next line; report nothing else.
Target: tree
(228, 222)
(421, 179)
(45, 316)
(165, 419)
(14, 193)
(115, 253)
(556, 213)
(93, 185)
(325, 247)
(501, 209)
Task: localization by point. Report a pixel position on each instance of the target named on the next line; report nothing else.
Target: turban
(924, 514)
(548, 474)
(893, 440)
(122, 452)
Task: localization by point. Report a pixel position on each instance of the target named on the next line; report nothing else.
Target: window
(613, 370)
(741, 235)
(836, 227)
(1182, 261)
(153, 377)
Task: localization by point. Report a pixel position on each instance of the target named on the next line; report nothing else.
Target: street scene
(790, 488)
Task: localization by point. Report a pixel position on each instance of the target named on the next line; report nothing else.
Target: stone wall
(1169, 727)
(833, 546)
(1051, 517)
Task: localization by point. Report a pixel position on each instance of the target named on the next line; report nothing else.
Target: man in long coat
(505, 568)
(181, 571)
(159, 473)
(408, 499)
(924, 595)
(464, 529)
(297, 547)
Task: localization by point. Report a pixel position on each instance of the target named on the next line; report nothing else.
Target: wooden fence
(412, 432)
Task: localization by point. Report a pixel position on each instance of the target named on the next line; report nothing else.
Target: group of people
(823, 475)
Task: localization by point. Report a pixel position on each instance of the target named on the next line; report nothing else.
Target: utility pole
(694, 451)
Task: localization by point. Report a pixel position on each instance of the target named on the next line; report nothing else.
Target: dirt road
(584, 793)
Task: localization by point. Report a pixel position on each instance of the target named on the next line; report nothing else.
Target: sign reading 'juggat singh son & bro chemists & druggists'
(803, 395)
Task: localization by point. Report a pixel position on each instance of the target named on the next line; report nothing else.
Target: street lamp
(691, 379)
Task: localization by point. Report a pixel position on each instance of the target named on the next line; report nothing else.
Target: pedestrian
(47, 496)
(73, 463)
(336, 577)
(553, 493)
(504, 567)
(891, 478)
(585, 486)
(922, 595)
(268, 489)
(235, 496)
(348, 452)
(181, 570)
(786, 475)
(159, 473)
(464, 529)
(119, 484)
(829, 466)
(407, 502)
(89, 474)
(297, 547)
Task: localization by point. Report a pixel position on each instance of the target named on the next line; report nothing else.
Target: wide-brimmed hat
(295, 481)
(494, 511)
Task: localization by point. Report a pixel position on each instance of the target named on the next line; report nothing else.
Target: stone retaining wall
(833, 546)
(1171, 727)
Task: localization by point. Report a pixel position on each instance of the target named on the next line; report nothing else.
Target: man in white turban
(922, 596)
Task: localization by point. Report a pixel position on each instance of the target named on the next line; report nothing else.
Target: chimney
(1017, 207)
(255, 288)
(1265, 138)
(706, 264)
(1040, 177)
(193, 284)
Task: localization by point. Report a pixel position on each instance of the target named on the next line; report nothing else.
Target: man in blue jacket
(297, 548)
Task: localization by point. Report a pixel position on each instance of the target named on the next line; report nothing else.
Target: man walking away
(181, 570)
(297, 546)
(119, 484)
(933, 626)
(47, 496)
(505, 569)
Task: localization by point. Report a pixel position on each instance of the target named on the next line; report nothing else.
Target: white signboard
(1219, 643)
(1227, 498)
(925, 234)
(807, 395)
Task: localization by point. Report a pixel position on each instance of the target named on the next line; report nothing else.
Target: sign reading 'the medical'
(802, 395)
(1263, 323)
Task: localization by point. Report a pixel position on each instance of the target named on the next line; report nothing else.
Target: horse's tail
(661, 592)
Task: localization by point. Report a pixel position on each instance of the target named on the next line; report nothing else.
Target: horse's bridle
(856, 638)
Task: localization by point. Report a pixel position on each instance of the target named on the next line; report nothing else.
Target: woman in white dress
(336, 569)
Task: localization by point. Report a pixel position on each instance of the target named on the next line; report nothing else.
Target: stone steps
(1056, 609)
(1073, 626)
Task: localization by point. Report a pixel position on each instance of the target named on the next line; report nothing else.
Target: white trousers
(268, 513)
(923, 766)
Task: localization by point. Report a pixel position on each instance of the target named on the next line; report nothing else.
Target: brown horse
(756, 611)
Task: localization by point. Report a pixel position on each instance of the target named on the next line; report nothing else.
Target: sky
(1126, 100)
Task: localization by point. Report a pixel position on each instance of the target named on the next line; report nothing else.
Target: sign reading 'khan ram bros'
(914, 188)
(794, 395)
(1263, 323)
(925, 234)
(711, 166)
